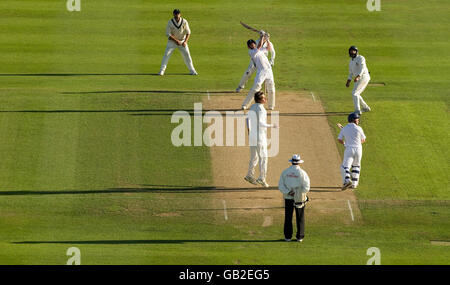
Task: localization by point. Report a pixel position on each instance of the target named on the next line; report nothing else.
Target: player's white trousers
(171, 46)
(258, 153)
(358, 90)
(247, 74)
(262, 76)
(351, 165)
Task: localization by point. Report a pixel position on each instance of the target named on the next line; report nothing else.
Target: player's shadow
(156, 241)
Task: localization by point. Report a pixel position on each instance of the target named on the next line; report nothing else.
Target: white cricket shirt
(352, 134)
(178, 29)
(259, 59)
(266, 50)
(357, 66)
(257, 116)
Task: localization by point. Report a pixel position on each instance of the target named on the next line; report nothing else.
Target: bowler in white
(352, 137)
(257, 127)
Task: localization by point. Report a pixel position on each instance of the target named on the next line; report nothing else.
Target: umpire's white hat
(296, 159)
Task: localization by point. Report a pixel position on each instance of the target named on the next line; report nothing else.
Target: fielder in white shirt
(266, 48)
(294, 184)
(358, 69)
(352, 137)
(178, 33)
(264, 72)
(257, 127)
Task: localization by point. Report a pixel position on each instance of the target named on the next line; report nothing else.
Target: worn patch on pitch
(170, 214)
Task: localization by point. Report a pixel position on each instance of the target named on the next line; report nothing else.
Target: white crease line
(314, 98)
(225, 209)
(351, 211)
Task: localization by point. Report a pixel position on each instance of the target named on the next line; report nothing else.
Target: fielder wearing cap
(358, 69)
(178, 34)
(294, 184)
(352, 137)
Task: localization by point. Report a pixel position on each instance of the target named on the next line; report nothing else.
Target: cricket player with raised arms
(266, 48)
(264, 72)
(178, 34)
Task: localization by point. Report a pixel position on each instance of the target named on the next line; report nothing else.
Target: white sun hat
(296, 159)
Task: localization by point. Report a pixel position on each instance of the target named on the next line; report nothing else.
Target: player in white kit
(264, 72)
(257, 125)
(266, 48)
(352, 137)
(358, 69)
(178, 33)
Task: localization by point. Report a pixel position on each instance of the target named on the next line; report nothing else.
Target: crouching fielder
(352, 137)
(264, 72)
(294, 184)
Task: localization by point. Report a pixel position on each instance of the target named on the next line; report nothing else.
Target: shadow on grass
(157, 112)
(145, 241)
(170, 112)
(151, 92)
(85, 74)
(157, 189)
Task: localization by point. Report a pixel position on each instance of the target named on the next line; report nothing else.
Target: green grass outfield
(86, 158)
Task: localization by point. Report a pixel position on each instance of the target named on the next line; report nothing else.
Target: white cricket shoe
(287, 239)
(193, 73)
(239, 89)
(161, 73)
(244, 107)
(262, 182)
(250, 179)
(367, 109)
(346, 185)
(300, 240)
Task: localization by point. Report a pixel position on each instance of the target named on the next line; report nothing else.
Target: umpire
(294, 184)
